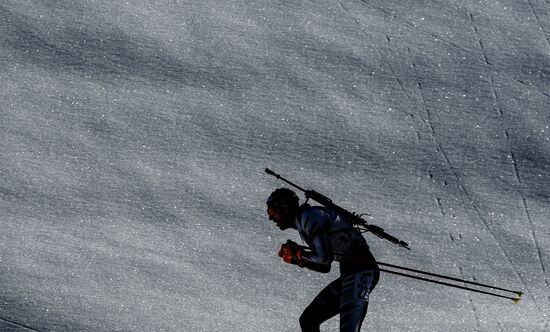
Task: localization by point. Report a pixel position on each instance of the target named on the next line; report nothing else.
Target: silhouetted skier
(330, 237)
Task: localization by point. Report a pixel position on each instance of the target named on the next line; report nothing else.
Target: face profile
(280, 217)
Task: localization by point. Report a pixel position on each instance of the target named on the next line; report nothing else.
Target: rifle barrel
(270, 172)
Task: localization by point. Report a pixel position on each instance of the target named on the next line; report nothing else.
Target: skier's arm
(321, 257)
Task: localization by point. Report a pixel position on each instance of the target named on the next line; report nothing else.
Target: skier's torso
(346, 243)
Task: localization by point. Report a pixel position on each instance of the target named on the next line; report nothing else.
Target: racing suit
(331, 237)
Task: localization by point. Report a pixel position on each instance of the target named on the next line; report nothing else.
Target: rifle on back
(355, 218)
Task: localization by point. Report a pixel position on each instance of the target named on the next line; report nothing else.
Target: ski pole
(358, 259)
(518, 293)
(514, 299)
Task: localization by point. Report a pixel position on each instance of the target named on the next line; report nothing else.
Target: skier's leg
(354, 300)
(324, 306)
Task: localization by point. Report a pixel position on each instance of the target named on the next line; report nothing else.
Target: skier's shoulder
(308, 212)
(313, 218)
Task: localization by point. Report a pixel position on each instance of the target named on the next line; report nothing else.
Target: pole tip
(517, 299)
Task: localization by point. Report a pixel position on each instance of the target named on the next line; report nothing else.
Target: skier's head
(282, 206)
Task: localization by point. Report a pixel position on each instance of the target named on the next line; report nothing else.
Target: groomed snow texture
(134, 135)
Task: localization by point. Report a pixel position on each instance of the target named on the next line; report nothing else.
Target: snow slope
(135, 135)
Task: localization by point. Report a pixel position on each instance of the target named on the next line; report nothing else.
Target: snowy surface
(134, 137)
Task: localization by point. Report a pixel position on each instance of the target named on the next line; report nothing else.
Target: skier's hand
(290, 253)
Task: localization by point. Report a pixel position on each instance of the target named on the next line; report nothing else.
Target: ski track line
(472, 304)
(410, 57)
(528, 215)
(483, 60)
(428, 120)
(518, 178)
(425, 122)
(537, 246)
(413, 104)
(416, 27)
(440, 149)
(395, 76)
(18, 324)
(517, 174)
(350, 16)
(495, 96)
(438, 200)
(406, 95)
(539, 22)
(484, 222)
(529, 86)
(539, 253)
(399, 82)
(483, 52)
(428, 113)
(516, 170)
(532, 228)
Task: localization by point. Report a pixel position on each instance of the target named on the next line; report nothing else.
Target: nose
(271, 213)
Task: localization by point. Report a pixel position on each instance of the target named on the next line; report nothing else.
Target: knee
(308, 323)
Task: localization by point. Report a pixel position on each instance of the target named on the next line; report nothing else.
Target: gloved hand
(291, 253)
